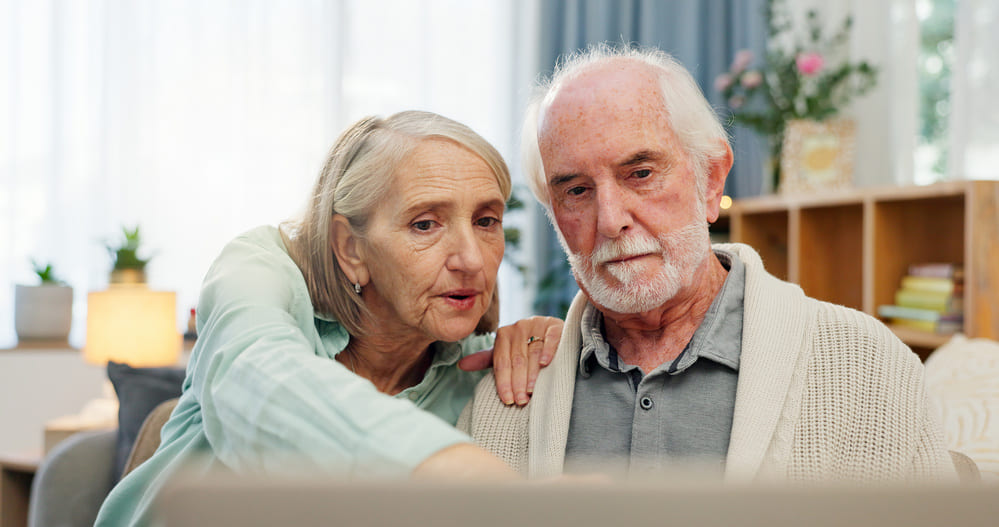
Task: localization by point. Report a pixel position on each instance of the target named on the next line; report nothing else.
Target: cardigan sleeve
(932, 461)
(268, 390)
(865, 414)
(499, 429)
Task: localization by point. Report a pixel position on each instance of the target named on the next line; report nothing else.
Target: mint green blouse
(263, 393)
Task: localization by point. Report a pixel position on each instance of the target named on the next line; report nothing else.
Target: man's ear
(347, 250)
(718, 168)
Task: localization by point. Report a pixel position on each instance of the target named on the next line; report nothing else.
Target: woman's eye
(642, 174)
(423, 225)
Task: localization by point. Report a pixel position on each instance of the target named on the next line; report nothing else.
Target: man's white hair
(690, 116)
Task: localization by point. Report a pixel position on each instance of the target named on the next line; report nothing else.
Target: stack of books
(930, 299)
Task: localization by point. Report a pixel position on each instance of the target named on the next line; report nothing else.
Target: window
(200, 120)
(935, 62)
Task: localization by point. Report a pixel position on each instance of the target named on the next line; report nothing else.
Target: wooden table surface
(17, 471)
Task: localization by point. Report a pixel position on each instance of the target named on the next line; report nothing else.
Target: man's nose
(465, 251)
(613, 215)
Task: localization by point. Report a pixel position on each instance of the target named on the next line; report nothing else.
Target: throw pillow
(962, 378)
(139, 391)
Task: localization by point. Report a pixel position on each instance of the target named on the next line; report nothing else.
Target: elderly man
(675, 351)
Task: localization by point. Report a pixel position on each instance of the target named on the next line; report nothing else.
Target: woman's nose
(465, 251)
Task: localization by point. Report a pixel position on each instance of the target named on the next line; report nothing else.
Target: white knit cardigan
(824, 393)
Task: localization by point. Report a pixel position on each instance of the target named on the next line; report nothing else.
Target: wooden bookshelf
(852, 247)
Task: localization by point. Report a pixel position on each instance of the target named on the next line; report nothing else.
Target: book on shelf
(932, 283)
(912, 313)
(941, 327)
(937, 270)
(931, 300)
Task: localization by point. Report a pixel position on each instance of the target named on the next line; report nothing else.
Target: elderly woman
(332, 343)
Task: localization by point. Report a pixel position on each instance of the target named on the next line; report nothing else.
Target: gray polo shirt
(624, 422)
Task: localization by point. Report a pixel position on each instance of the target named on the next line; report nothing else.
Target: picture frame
(817, 155)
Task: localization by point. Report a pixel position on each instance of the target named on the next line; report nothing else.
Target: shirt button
(413, 396)
(645, 403)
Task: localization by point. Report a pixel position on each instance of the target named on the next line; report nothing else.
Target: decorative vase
(817, 155)
(43, 312)
(770, 172)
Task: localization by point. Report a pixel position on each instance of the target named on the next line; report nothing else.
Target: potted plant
(127, 267)
(44, 311)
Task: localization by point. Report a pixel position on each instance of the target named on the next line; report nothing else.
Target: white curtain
(974, 118)
(200, 119)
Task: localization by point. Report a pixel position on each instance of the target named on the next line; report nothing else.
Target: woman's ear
(347, 250)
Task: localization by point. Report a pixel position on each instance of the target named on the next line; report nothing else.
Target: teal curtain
(703, 35)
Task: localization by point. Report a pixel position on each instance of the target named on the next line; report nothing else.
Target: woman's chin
(454, 330)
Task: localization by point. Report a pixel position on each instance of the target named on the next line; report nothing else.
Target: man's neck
(653, 338)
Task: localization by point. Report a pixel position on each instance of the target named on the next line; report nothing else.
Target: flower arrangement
(794, 82)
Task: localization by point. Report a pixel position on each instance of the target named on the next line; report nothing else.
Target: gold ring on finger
(533, 339)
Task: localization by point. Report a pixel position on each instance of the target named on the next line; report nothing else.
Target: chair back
(148, 439)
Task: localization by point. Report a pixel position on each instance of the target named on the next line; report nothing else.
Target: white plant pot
(43, 312)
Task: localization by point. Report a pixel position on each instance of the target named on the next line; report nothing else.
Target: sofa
(79, 472)
(962, 379)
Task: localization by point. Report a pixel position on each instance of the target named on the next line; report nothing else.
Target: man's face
(623, 190)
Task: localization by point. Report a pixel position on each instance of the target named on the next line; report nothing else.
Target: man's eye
(423, 225)
(488, 221)
(642, 174)
(575, 191)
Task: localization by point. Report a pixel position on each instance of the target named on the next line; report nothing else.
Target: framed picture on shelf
(817, 156)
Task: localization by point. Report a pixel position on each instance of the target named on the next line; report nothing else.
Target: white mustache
(625, 248)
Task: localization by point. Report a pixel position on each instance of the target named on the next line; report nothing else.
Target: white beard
(628, 289)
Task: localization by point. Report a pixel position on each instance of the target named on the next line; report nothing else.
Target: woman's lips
(462, 299)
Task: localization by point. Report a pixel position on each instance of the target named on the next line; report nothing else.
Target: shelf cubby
(852, 247)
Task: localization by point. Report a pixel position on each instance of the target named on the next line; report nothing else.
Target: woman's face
(434, 245)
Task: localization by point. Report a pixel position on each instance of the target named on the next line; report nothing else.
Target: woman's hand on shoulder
(520, 351)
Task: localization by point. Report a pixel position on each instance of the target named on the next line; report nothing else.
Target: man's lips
(625, 259)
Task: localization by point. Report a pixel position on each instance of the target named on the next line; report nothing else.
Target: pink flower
(742, 60)
(736, 101)
(809, 63)
(723, 81)
(751, 79)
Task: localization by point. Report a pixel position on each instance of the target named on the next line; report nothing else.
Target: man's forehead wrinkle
(588, 119)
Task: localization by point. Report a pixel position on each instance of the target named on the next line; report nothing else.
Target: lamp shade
(134, 325)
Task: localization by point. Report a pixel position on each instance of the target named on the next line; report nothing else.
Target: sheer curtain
(197, 120)
(974, 118)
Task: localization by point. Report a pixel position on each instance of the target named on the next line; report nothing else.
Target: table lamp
(134, 325)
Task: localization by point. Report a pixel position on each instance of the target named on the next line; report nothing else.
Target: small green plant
(125, 254)
(46, 273)
(512, 234)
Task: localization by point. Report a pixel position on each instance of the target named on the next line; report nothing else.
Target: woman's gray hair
(355, 179)
(690, 116)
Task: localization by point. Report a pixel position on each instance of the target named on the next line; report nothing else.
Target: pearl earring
(357, 288)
